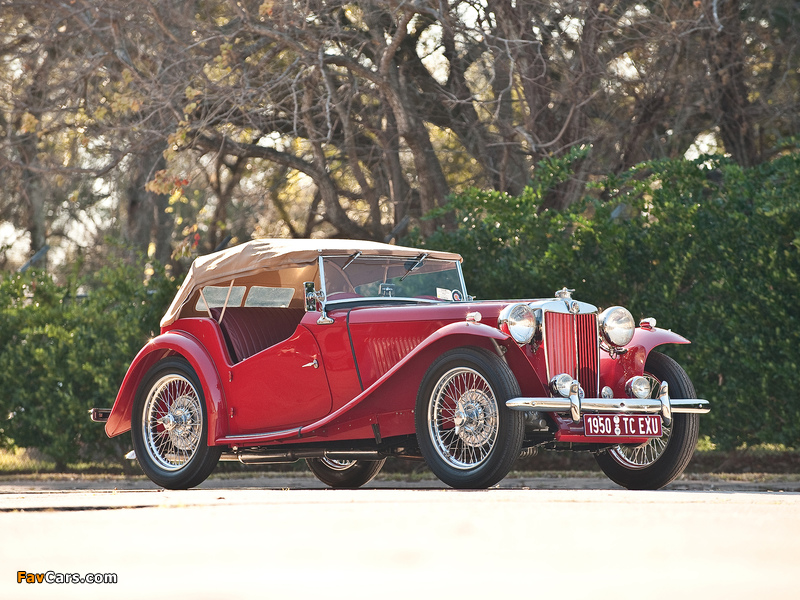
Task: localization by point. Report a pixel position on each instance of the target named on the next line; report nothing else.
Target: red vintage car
(344, 353)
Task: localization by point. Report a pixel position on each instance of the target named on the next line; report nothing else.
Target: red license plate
(622, 425)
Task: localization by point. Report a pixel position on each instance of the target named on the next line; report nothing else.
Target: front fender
(614, 372)
(171, 343)
(650, 338)
(396, 390)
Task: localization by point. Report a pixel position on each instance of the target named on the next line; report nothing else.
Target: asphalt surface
(288, 537)
(564, 480)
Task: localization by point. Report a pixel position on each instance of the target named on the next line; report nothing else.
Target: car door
(281, 387)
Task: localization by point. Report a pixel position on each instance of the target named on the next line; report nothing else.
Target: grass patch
(743, 477)
(23, 460)
(69, 477)
(753, 463)
(29, 461)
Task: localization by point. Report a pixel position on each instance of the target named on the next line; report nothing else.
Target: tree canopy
(173, 125)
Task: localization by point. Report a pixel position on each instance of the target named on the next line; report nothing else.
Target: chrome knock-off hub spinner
(473, 422)
(181, 424)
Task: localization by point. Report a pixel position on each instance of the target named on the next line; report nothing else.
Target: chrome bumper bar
(577, 406)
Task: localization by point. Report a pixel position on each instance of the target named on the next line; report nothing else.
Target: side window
(215, 295)
(269, 296)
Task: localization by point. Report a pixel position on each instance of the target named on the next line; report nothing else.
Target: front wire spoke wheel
(466, 433)
(644, 455)
(658, 461)
(463, 418)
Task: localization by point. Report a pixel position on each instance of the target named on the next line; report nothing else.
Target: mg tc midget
(344, 353)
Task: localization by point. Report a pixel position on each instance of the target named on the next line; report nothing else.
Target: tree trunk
(145, 218)
(728, 90)
(433, 188)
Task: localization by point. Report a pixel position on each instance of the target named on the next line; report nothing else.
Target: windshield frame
(351, 260)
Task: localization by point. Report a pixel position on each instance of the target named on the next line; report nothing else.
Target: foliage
(707, 247)
(175, 125)
(63, 352)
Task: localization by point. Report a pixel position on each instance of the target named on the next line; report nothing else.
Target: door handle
(314, 363)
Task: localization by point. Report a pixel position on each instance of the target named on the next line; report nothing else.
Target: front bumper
(577, 406)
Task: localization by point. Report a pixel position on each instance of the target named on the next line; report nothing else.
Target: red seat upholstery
(249, 330)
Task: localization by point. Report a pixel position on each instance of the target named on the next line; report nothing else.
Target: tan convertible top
(274, 254)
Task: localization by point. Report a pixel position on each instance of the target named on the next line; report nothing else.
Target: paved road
(277, 537)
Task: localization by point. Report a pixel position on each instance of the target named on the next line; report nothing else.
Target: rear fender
(615, 372)
(172, 343)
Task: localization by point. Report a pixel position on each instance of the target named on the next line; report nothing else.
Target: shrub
(706, 247)
(62, 354)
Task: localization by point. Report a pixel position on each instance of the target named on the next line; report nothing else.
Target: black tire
(467, 435)
(653, 465)
(169, 427)
(344, 474)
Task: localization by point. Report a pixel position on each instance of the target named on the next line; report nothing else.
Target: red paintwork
(615, 372)
(272, 389)
(334, 346)
(390, 399)
(271, 397)
(205, 351)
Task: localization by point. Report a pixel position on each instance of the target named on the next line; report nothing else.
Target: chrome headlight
(519, 321)
(617, 325)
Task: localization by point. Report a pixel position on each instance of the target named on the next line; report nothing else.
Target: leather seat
(249, 330)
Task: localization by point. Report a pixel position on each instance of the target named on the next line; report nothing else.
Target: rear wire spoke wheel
(344, 474)
(467, 435)
(170, 427)
(657, 462)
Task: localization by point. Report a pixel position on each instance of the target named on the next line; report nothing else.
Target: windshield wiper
(415, 265)
(351, 259)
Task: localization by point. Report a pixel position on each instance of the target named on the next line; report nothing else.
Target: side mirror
(315, 300)
(311, 296)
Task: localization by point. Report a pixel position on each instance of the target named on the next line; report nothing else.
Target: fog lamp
(638, 387)
(560, 384)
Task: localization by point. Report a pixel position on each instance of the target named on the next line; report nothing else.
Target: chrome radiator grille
(572, 346)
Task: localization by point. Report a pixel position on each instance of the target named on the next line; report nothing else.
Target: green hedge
(706, 247)
(62, 353)
(709, 249)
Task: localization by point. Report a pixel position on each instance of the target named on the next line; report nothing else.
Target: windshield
(356, 276)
